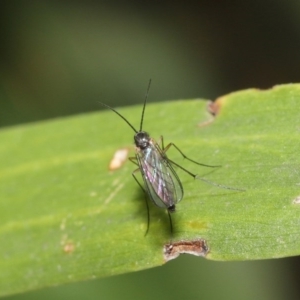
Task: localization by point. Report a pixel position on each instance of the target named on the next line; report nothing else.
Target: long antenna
(143, 111)
(119, 115)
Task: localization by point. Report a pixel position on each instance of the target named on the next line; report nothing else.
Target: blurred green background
(60, 57)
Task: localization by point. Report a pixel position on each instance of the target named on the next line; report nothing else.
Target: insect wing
(161, 181)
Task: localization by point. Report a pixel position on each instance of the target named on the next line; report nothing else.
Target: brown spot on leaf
(68, 247)
(118, 159)
(195, 247)
(296, 200)
(213, 107)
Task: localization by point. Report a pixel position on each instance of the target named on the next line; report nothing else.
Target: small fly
(161, 182)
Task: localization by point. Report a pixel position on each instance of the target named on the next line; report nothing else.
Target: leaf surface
(65, 217)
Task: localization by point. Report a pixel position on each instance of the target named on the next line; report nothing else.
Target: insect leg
(195, 176)
(171, 223)
(165, 149)
(147, 205)
(133, 160)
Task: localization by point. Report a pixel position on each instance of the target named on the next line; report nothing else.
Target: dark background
(59, 58)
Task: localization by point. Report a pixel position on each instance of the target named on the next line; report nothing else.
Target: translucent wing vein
(160, 179)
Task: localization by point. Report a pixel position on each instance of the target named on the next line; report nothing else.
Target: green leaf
(65, 217)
